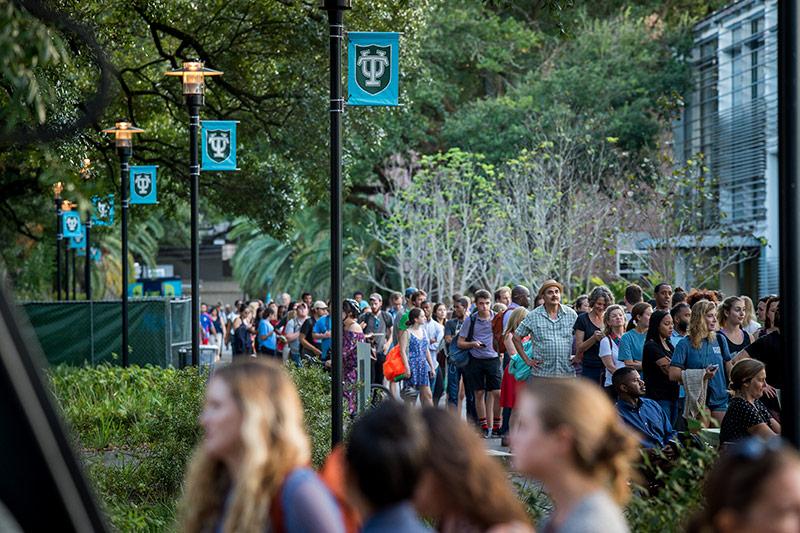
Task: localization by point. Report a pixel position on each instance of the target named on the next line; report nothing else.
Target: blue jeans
(670, 408)
(454, 375)
(296, 358)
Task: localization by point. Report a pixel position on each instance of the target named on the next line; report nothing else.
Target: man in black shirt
(309, 345)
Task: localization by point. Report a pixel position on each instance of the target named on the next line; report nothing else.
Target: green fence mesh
(78, 333)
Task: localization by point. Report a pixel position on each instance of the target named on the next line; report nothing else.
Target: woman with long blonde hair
(569, 436)
(705, 348)
(250, 472)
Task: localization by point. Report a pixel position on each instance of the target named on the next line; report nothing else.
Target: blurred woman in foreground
(568, 436)
(250, 471)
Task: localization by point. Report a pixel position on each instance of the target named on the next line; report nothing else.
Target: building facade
(730, 117)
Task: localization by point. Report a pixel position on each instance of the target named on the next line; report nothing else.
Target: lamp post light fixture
(193, 75)
(123, 140)
(335, 9)
(58, 188)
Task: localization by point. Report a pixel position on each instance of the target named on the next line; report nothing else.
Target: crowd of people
(644, 373)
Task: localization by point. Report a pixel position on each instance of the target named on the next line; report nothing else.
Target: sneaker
(496, 434)
(486, 433)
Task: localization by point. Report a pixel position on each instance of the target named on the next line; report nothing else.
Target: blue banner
(71, 224)
(96, 256)
(143, 185)
(218, 142)
(76, 243)
(373, 72)
(103, 210)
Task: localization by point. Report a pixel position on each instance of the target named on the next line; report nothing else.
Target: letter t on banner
(373, 72)
(218, 140)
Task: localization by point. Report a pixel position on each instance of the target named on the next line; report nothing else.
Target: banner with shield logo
(218, 141)
(71, 224)
(373, 68)
(79, 242)
(143, 185)
(103, 210)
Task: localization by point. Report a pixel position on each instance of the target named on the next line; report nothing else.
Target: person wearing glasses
(755, 486)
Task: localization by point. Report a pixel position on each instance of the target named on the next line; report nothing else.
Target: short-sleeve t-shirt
(687, 356)
(377, 325)
(265, 328)
(307, 332)
(740, 416)
(657, 384)
(631, 346)
(294, 326)
(609, 346)
(323, 325)
(481, 333)
(591, 357)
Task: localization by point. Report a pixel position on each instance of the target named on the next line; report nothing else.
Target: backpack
(497, 333)
(459, 357)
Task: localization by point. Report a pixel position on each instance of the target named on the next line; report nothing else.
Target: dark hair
(619, 375)
(267, 312)
(767, 297)
(463, 302)
(303, 296)
(744, 371)
(456, 457)
(771, 300)
(358, 293)
(482, 294)
(579, 301)
(678, 297)
(416, 295)
(436, 308)
(350, 308)
(702, 294)
(386, 453)
(655, 323)
(601, 292)
(633, 293)
(636, 313)
(677, 309)
(660, 286)
(738, 478)
(413, 315)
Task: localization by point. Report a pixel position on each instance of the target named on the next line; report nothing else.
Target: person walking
(588, 334)
(569, 437)
(549, 327)
(244, 474)
(484, 370)
(416, 357)
(656, 358)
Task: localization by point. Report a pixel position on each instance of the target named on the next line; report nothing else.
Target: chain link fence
(78, 333)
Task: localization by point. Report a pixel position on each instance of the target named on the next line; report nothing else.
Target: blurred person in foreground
(568, 436)
(462, 488)
(754, 487)
(250, 471)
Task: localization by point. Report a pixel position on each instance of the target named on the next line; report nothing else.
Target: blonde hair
(749, 311)
(499, 308)
(274, 443)
(603, 447)
(516, 318)
(698, 330)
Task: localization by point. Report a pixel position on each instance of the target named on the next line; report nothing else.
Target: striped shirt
(551, 340)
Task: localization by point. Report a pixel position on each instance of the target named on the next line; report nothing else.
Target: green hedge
(136, 429)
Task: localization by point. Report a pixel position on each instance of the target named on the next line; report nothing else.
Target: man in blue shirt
(642, 414)
(322, 334)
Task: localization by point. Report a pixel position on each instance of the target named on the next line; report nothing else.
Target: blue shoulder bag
(457, 356)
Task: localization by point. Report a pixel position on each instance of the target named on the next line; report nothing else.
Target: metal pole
(59, 238)
(335, 10)
(74, 274)
(66, 268)
(125, 153)
(87, 265)
(195, 102)
(789, 198)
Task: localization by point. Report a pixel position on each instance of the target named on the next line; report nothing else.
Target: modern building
(730, 117)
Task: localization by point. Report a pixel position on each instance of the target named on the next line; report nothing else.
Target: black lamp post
(193, 75)
(87, 265)
(58, 187)
(123, 140)
(789, 199)
(335, 9)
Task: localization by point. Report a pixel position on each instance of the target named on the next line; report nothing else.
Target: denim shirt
(399, 518)
(649, 420)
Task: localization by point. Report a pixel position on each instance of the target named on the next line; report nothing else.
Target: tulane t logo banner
(70, 224)
(218, 140)
(143, 185)
(373, 68)
(103, 210)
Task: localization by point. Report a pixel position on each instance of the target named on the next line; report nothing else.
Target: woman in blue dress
(417, 357)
